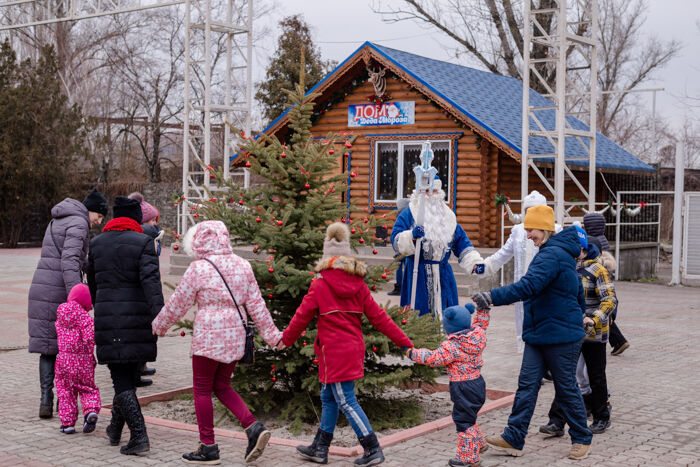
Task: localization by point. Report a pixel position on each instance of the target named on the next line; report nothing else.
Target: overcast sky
(341, 26)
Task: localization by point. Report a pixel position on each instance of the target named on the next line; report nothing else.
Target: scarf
(122, 224)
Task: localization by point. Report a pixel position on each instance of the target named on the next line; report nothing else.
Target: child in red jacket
(339, 297)
(461, 353)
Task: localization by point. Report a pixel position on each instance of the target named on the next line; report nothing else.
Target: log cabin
(390, 101)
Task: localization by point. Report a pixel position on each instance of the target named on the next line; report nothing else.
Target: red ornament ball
(347, 154)
(182, 333)
(374, 252)
(384, 276)
(374, 349)
(362, 240)
(403, 321)
(353, 174)
(271, 270)
(279, 223)
(307, 186)
(374, 287)
(240, 202)
(347, 144)
(283, 155)
(274, 379)
(331, 152)
(175, 247)
(247, 164)
(269, 295)
(303, 344)
(315, 361)
(258, 220)
(352, 231)
(365, 220)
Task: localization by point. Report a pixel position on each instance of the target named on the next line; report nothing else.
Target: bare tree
(488, 34)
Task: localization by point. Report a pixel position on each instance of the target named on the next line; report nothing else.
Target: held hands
(479, 268)
(408, 351)
(280, 345)
(418, 232)
(482, 300)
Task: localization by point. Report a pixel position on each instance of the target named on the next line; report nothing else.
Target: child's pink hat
(81, 293)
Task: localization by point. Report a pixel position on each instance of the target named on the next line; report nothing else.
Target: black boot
(207, 454)
(131, 411)
(373, 452)
(146, 371)
(116, 424)
(553, 428)
(46, 376)
(258, 436)
(318, 451)
(396, 291)
(141, 382)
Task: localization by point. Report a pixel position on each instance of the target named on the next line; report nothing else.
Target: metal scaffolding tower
(206, 26)
(572, 50)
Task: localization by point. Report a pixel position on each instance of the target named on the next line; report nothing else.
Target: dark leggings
(124, 376)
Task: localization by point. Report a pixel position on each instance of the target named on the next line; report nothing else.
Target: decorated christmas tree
(285, 220)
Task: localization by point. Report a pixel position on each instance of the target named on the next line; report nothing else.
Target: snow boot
(116, 424)
(373, 452)
(207, 454)
(131, 411)
(46, 376)
(318, 451)
(258, 436)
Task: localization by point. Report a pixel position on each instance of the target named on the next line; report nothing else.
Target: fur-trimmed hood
(348, 264)
(343, 274)
(608, 261)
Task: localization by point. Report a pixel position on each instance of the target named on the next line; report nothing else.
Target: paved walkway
(656, 415)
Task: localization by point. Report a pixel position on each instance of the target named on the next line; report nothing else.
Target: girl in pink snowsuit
(75, 364)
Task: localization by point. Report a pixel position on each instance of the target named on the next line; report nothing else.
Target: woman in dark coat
(124, 280)
(552, 330)
(63, 255)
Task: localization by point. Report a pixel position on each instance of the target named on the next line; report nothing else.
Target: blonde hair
(547, 235)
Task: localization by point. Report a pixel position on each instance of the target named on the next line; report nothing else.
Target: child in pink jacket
(75, 364)
(461, 354)
(218, 338)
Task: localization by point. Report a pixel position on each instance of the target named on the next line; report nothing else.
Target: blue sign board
(388, 113)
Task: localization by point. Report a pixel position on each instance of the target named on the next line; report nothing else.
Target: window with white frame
(394, 163)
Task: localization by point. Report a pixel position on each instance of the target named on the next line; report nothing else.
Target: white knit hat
(534, 199)
(337, 241)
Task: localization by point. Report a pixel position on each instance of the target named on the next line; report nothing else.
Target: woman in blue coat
(552, 331)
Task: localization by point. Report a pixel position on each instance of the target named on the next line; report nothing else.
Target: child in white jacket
(219, 333)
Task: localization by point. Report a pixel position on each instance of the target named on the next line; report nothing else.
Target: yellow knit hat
(539, 217)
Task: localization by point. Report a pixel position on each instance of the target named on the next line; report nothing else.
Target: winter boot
(46, 376)
(258, 436)
(207, 454)
(131, 411)
(142, 382)
(318, 451)
(553, 428)
(396, 291)
(116, 424)
(373, 452)
(90, 422)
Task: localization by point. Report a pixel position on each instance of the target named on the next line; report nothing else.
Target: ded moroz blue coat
(428, 280)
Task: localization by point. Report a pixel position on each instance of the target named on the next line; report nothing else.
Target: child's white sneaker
(90, 422)
(67, 430)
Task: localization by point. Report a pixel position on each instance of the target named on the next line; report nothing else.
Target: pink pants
(75, 376)
(469, 444)
(211, 376)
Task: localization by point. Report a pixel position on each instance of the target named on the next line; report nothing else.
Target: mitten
(418, 232)
(482, 300)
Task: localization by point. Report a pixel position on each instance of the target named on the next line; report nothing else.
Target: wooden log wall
(472, 208)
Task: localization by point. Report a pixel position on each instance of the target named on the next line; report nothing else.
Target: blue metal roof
(495, 103)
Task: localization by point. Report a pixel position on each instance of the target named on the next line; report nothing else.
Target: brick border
(500, 399)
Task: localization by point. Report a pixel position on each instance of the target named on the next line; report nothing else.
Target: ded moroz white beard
(439, 222)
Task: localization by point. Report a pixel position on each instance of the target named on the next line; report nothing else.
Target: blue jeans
(561, 361)
(341, 396)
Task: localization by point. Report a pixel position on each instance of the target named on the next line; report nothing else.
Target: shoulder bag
(249, 353)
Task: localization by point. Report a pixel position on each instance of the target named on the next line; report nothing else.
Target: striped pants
(341, 396)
